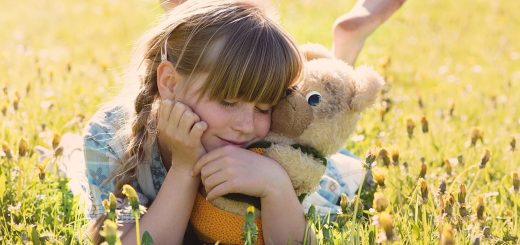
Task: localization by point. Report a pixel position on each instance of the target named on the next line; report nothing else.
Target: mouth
(235, 143)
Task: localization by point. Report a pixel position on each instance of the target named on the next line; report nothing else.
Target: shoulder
(100, 133)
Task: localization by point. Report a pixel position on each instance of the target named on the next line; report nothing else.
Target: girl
(204, 81)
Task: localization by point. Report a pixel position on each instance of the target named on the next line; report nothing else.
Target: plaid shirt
(103, 152)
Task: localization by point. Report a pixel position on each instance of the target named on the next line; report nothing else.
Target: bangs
(255, 63)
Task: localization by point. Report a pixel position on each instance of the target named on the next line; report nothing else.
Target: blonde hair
(256, 61)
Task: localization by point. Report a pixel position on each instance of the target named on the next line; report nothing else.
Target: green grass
(60, 59)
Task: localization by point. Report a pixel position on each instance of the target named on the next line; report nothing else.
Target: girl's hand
(181, 130)
(231, 169)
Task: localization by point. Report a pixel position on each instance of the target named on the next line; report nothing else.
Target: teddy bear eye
(313, 98)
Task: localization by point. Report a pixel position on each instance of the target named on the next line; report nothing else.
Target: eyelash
(228, 104)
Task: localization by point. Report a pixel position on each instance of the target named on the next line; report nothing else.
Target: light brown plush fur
(345, 93)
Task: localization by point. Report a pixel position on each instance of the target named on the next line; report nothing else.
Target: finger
(209, 169)
(220, 190)
(214, 179)
(176, 114)
(208, 157)
(187, 120)
(198, 129)
(164, 112)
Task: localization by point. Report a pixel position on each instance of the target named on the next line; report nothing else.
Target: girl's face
(230, 122)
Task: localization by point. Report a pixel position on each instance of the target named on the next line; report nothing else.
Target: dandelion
(476, 135)
(442, 188)
(452, 109)
(486, 231)
(447, 235)
(7, 150)
(420, 102)
(422, 174)
(379, 177)
(131, 194)
(110, 206)
(461, 197)
(423, 187)
(512, 144)
(410, 125)
(386, 223)
(383, 155)
(460, 160)
(463, 211)
(447, 167)
(343, 203)
(380, 202)
(480, 207)
(4, 110)
(370, 158)
(110, 233)
(23, 147)
(485, 158)
(16, 102)
(424, 125)
(449, 201)
(516, 182)
(394, 153)
(56, 137)
(250, 231)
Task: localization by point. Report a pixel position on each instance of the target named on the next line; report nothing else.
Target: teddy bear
(311, 122)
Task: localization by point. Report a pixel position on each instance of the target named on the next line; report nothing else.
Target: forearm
(283, 219)
(168, 216)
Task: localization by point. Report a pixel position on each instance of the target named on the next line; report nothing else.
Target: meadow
(443, 134)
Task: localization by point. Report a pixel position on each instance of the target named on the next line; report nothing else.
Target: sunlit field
(444, 131)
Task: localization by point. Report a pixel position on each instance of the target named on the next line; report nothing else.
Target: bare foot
(352, 28)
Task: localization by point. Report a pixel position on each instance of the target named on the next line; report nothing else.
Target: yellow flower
(447, 235)
(485, 158)
(131, 194)
(380, 202)
(110, 232)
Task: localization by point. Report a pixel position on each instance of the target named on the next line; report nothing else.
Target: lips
(236, 143)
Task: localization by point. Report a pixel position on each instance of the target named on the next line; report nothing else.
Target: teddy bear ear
(312, 51)
(368, 83)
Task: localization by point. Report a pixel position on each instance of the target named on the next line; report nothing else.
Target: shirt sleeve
(102, 157)
(343, 174)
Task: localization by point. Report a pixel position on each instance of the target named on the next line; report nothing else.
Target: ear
(313, 51)
(167, 80)
(368, 84)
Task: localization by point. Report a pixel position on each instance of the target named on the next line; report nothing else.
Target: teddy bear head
(322, 109)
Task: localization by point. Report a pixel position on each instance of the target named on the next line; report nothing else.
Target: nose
(244, 120)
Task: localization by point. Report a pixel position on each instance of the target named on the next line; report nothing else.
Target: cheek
(263, 123)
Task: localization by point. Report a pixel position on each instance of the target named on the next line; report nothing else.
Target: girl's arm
(230, 169)
(169, 214)
(283, 219)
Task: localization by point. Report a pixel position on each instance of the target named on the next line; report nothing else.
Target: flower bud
(383, 155)
(447, 166)
(386, 222)
(380, 202)
(379, 177)
(516, 182)
(131, 194)
(476, 135)
(447, 235)
(110, 232)
(424, 125)
(485, 158)
(422, 174)
(370, 158)
(480, 207)
(56, 137)
(7, 150)
(343, 203)
(442, 188)
(394, 153)
(423, 187)
(512, 144)
(410, 125)
(461, 197)
(23, 147)
(460, 160)
(449, 201)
